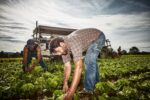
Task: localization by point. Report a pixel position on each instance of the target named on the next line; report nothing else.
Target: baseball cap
(30, 43)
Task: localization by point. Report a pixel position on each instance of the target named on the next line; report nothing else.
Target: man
(32, 49)
(90, 40)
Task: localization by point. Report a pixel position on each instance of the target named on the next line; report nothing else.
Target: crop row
(122, 78)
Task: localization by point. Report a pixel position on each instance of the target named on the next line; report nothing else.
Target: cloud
(139, 3)
(4, 37)
(146, 47)
(12, 41)
(123, 21)
(5, 18)
(11, 46)
(83, 8)
(13, 27)
(126, 7)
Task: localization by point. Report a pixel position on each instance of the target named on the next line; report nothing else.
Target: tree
(2, 54)
(134, 50)
(124, 52)
(119, 51)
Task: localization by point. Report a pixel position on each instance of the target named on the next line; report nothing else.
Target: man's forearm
(76, 76)
(25, 57)
(24, 60)
(67, 71)
(38, 55)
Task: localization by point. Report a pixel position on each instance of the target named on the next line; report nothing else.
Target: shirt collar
(67, 43)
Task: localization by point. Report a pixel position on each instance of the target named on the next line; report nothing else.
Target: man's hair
(55, 43)
(31, 43)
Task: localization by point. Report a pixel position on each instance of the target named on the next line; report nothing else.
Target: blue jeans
(91, 68)
(34, 54)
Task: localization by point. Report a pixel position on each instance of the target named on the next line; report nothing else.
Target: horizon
(124, 22)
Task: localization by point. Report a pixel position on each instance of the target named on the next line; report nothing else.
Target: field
(125, 78)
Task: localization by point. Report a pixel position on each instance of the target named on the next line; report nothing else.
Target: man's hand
(68, 95)
(32, 67)
(27, 69)
(65, 87)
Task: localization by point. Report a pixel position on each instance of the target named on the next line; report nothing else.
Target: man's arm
(25, 54)
(38, 54)
(76, 79)
(67, 71)
(38, 49)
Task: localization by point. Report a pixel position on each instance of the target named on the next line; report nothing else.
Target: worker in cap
(32, 49)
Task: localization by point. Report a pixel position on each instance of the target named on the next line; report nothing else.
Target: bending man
(32, 49)
(90, 40)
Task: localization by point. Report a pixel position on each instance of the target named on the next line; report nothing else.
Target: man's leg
(91, 67)
(90, 71)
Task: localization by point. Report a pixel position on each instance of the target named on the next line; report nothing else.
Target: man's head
(58, 46)
(31, 44)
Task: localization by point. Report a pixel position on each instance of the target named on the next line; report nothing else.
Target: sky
(126, 23)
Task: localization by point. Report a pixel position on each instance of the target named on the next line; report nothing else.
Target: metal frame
(40, 31)
(53, 32)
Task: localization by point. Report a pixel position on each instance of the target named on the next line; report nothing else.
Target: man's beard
(65, 51)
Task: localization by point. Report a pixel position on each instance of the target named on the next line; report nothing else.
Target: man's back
(80, 40)
(83, 37)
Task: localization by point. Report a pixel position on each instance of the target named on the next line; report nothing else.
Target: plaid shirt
(78, 42)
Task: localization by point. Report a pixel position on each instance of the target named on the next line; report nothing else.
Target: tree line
(132, 50)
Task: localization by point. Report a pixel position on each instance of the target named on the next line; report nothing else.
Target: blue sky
(124, 22)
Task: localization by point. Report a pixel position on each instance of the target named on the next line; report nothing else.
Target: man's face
(61, 50)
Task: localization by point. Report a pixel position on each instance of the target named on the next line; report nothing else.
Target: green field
(125, 78)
